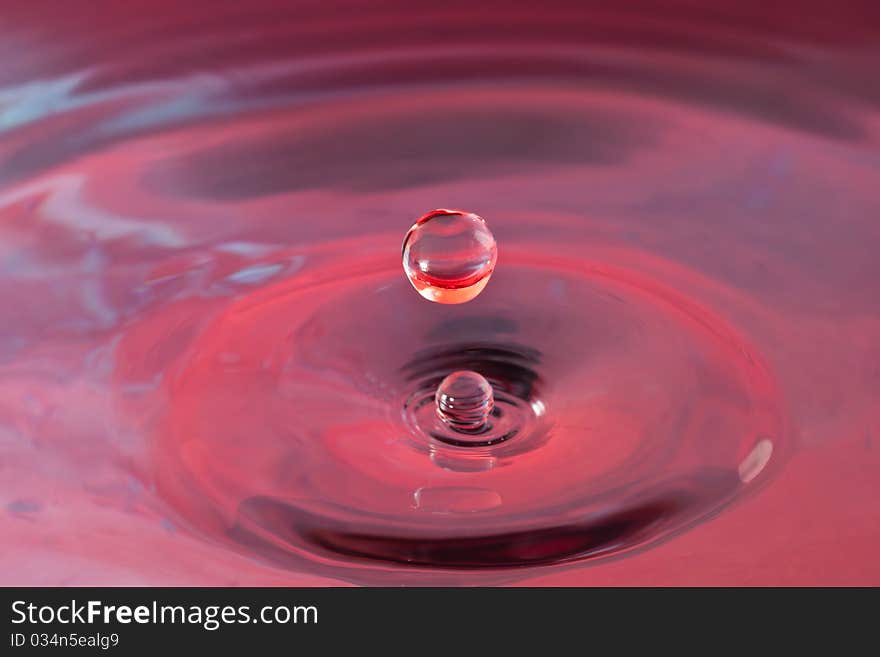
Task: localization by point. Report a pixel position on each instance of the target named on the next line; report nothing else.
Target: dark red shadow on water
(278, 530)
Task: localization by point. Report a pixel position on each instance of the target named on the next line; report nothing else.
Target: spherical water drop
(449, 255)
(465, 401)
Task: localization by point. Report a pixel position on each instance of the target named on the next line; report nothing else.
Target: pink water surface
(201, 210)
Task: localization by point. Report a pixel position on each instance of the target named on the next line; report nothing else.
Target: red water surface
(208, 336)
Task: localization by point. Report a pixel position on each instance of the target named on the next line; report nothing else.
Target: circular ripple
(291, 430)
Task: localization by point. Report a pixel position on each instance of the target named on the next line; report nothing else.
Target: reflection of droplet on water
(449, 255)
(465, 401)
(455, 499)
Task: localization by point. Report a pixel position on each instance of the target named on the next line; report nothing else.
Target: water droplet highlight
(449, 255)
(465, 401)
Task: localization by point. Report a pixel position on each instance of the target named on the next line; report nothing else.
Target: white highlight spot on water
(753, 464)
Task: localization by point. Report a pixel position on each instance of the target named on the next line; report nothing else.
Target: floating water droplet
(449, 255)
(465, 401)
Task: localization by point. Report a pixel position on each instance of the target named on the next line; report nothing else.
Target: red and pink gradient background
(803, 286)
